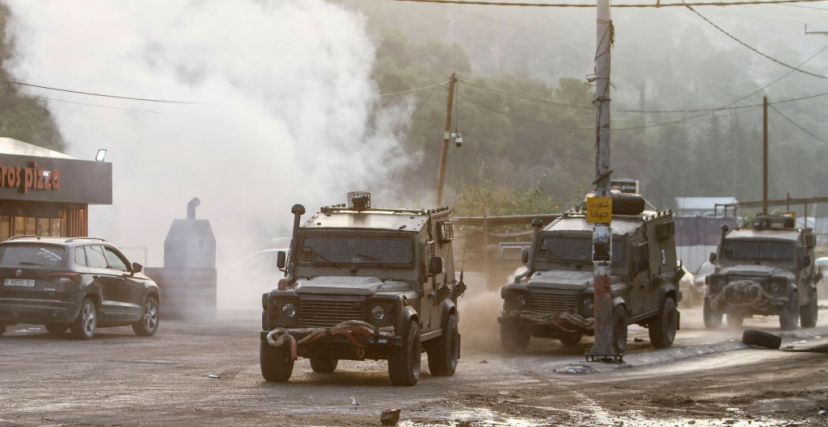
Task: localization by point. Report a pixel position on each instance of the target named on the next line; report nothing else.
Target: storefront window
(5, 227)
(30, 226)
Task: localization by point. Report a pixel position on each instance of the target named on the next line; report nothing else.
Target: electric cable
(104, 95)
(112, 107)
(412, 90)
(800, 127)
(751, 48)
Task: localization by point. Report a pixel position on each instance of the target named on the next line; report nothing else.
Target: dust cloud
(289, 112)
(479, 308)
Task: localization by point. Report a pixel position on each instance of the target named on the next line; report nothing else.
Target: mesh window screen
(348, 248)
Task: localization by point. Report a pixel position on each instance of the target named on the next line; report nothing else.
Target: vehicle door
(130, 287)
(640, 278)
(428, 290)
(108, 281)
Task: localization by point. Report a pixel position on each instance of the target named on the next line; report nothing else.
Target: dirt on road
(208, 373)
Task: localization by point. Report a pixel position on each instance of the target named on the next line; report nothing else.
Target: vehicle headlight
(378, 312)
(778, 286)
(289, 310)
(589, 307)
(521, 301)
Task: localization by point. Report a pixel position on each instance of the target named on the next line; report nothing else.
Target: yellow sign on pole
(599, 210)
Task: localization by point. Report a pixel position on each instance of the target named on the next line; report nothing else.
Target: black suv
(78, 284)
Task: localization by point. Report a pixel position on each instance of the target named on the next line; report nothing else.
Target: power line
(753, 49)
(622, 5)
(112, 107)
(729, 106)
(539, 101)
(800, 127)
(412, 90)
(525, 119)
(104, 95)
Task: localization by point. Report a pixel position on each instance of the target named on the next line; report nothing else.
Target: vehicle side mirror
(524, 256)
(281, 260)
(137, 268)
(435, 265)
(712, 257)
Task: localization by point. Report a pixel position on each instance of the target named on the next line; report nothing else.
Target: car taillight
(72, 276)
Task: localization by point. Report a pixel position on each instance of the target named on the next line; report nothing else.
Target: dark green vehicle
(364, 283)
(554, 297)
(766, 269)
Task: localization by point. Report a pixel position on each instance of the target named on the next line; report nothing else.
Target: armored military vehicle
(554, 297)
(766, 269)
(365, 283)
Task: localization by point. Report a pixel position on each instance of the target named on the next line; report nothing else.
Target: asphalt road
(208, 373)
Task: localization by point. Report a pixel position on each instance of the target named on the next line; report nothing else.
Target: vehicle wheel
(809, 313)
(570, 338)
(84, 326)
(761, 339)
(619, 326)
(148, 324)
(712, 317)
(57, 329)
(513, 338)
(789, 316)
(663, 327)
(275, 362)
(404, 362)
(444, 352)
(324, 366)
(735, 320)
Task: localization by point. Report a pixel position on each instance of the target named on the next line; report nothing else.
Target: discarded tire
(761, 339)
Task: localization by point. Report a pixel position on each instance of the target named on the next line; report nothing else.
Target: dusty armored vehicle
(767, 269)
(554, 297)
(364, 283)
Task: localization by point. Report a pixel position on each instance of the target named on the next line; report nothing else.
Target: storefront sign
(29, 178)
(54, 180)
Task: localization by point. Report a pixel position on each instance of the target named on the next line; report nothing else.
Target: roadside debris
(390, 417)
(575, 370)
(761, 339)
(213, 376)
(354, 401)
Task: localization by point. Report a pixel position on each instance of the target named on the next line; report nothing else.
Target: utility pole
(605, 346)
(441, 175)
(765, 155)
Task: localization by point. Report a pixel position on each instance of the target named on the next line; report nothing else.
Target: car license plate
(22, 283)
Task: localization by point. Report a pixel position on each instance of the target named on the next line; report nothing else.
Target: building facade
(48, 193)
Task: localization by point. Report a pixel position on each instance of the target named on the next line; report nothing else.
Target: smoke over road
(288, 115)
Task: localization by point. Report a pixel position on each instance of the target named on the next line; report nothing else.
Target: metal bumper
(338, 347)
(747, 296)
(560, 321)
(27, 310)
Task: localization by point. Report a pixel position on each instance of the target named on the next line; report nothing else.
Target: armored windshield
(571, 249)
(356, 248)
(748, 249)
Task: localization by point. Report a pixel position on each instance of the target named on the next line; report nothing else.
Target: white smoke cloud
(292, 120)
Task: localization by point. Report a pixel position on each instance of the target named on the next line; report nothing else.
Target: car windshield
(758, 250)
(16, 255)
(575, 249)
(349, 248)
